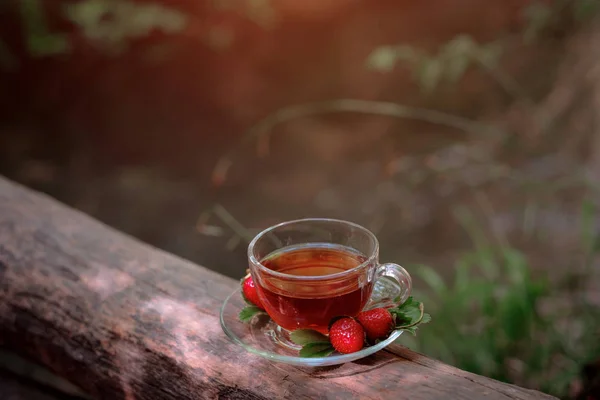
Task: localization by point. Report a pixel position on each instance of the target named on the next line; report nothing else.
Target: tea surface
(294, 304)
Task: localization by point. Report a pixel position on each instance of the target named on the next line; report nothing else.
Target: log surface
(14, 387)
(123, 320)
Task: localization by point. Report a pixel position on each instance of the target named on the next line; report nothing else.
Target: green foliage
(541, 16)
(113, 24)
(585, 9)
(40, 41)
(316, 350)
(538, 17)
(249, 312)
(305, 336)
(447, 66)
(410, 315)
(495, 319)
(385, 58)
(456, 57)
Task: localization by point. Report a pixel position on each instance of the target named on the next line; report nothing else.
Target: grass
(495, 319)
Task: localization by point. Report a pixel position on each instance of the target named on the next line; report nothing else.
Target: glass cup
(309, 271)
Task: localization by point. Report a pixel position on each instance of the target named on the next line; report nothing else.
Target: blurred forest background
(464, 133)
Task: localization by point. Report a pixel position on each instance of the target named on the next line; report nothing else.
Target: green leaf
(516, 266)
(475, 292)
(409, 315)
(314, 350)
(408, 303)
(248, 313)
(596, 247)
(483, 254)
(538, 16)
(457, 55)
(40, 41)
(432, 278)
(584, 9)
(46, 45)
(382, 59)
(305, 336)
(489, 306)
(488, 264)
(115, 23)
(462, 274)
(385, 58)
(460, 45)
(456, 68)
(429, 74)
(489, 55)
(514, 317)
(411, 329)
(406, 53)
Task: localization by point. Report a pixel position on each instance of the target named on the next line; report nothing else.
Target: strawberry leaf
(314, 350)
(325, 353)
(410, 303)
(314, 344)
(248, 313)
(303, 337)
(412, 313)
(407, 312)
(411, 329)
(410, 320)
(409, 315)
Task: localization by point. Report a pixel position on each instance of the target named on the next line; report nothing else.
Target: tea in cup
(311, 270)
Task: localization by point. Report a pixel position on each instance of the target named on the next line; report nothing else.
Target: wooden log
(14, 387)
(123, 320)
(33, 375)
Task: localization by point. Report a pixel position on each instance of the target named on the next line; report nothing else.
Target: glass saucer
(261, 336)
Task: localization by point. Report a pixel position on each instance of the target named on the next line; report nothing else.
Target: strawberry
(346, 335)
(378, 323)
(250, 292)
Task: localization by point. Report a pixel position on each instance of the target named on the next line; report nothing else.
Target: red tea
(311, 304)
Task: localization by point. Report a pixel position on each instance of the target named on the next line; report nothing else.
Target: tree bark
(123, 320)
(14, 387)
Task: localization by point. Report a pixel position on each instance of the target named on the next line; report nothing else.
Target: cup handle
(390, 294)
